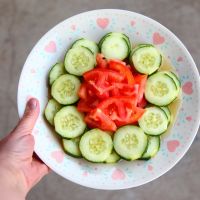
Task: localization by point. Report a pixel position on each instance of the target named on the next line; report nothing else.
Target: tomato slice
(121, 67)
(125, 89)
(142, 103)
(121, 110)
(100, 75)
(101, 92)
(101, 61)
(140, 79)
(135, 114)
(116, 107)
(82, 93)
(102, 81)
(87, 105)
(83, 106)
(97, 119)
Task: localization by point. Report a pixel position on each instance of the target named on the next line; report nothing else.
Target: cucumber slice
(160, 89)
(154, 121)
(122, 35)
(113, 158)
(103, 38)
(130, 142)
(79, 60)
(175, 79)
(136, 48)
(71, 147)
(56, 71)
(167, 112)
(152, 147)
(69, 123)
(86, 43)
(96, 145)
(146, 59)
(65, 89)
(51, 109)
(115, 47)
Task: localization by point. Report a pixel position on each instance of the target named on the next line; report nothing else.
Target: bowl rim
(196, 72)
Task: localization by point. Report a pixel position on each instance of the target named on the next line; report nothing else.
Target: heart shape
(172, 145)
(189, 118)
(102, 22)
(180, 59)
(133, 22)
(118, 174)
(73, 27)
(150, 167)
(187, 88)
(50, 47)
(85, 173)
(58, 156)
(157, 38)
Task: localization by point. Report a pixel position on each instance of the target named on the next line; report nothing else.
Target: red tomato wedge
(112, 95)
(121, 67)
(83, 106)
(136, 113)
(140, 79)
(83, 91)
(126, 89)
(142, 103)
(101, 75)
(101, 61)
(97, 119)
(121, 110)
(87, 105)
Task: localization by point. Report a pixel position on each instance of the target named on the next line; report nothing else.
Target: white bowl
(93, 25)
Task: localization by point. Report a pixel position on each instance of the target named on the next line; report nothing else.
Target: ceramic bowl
(52, 47)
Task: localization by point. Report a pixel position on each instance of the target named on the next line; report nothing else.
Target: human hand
(20, 170)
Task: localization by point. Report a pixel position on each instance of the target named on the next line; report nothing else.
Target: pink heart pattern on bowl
(158, 38)
(58, 156)
(50, 47)
(118, 174)
(187, 88)
(102, 22)
(173, 145)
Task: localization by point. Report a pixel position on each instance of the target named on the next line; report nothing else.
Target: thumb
(29, 118)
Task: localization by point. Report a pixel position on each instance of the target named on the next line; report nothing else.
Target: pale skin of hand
(20, 170)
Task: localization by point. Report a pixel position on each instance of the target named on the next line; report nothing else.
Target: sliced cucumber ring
(86, 43)
(51, 109)
(71, 147)
(79, 60)
(96, 145)
(160, 89)
(65, 89)
(56, 71)
(69, 123)
(113, 157)
(167, 112)
(146, 59)
(154, 121)
(130, 142)
(175, 79)
(152, 147)
(115, 47)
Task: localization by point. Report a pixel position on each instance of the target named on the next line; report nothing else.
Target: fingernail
(32, 104)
